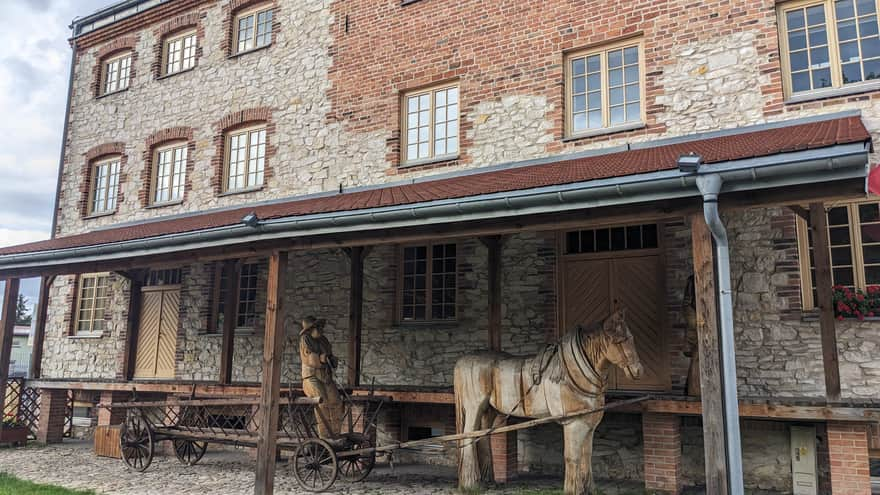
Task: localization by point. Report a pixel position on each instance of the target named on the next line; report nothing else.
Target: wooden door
(157, 334)
(590, 284)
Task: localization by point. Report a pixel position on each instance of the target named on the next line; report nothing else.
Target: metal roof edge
(111, 14)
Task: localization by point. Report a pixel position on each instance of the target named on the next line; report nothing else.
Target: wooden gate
(590, 283)
(157, 334)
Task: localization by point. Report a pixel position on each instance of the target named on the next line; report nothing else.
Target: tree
(22, 312)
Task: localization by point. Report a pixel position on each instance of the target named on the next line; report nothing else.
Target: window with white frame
(104, 185)
(604, 88)
(92, 300)
(430, 120)
(829, 43)
(169, 173)
(854, 248)
(179, 53)
(245, 158)
(253, 29)
(116, 73)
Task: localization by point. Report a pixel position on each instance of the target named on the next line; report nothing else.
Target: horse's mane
(555, 371)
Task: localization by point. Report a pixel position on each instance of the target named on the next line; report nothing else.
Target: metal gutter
(821, 165)
(64, 132)
(111, 14)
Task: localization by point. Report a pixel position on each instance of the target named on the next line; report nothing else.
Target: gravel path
(73, 465)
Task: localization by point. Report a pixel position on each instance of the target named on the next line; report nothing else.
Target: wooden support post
(40, 328)
(7, 327)
(822, 257)
(133, 324)
(493, 243)
(355, 315)
(230, 315)
(270, 386)
(714, 441)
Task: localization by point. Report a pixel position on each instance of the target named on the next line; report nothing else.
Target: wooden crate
(107, 441)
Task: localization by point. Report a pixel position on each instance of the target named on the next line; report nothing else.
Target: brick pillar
(504, 456)
(53, 410)
(848, 459)
(661, 435)
(111, 417)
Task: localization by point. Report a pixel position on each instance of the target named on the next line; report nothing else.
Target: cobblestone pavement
(73, 465)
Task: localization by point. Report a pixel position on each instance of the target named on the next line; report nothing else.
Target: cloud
(11, 237)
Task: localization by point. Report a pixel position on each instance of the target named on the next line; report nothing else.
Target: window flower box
(856, 303)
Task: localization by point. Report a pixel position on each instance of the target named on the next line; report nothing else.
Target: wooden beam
(824, 296)
(494, 246)
(270, 387)
(800, 211)
(714, 441)
(7, 329)
(230, 315)
(355, 315)
(133, 325)
(40, 327)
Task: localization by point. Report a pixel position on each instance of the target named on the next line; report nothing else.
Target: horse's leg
(469, 462)
(484, 446)
(578, 453)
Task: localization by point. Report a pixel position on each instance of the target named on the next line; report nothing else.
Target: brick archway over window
(92, 155)
(231, 122)
(191, 20)
(153, 141)
(229, 12)
(115, 47)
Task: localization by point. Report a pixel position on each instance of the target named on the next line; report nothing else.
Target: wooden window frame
(404, 126)
(855, 244)
(93, 185)
(255, 12)
(602, 51)
(173, 147)
(166, 47)
(832, 43)
(75, 318)
(217, 295)
(428, 283)
(105, 72)
(227, 146)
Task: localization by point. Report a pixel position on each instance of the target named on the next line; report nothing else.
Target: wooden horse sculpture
(564, 378)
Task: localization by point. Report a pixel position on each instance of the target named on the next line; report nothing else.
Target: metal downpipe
(710, 186)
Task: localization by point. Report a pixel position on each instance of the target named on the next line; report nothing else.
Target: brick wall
(848, 456)
(661, 435)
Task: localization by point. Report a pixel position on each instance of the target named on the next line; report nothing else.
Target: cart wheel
(136, 443)
(314, 465)
(357, 467)
(189, 452)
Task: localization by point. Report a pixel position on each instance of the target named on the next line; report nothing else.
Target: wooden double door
(157, 333)
(589, 286)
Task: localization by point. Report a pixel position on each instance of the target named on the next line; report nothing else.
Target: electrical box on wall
(803, 460)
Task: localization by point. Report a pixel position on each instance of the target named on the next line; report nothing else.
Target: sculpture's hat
(308, 323)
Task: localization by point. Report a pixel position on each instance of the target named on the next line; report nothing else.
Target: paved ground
(73, 465)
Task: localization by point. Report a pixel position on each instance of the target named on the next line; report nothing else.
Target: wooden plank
(494, 245)
(7, 329)
(107, 441)
(714, 441)
(133, 323)
(40, 327)
(230, 317)
(414, 397)
(167, 387)
(270, 388)
(355, 314)
(822, 258)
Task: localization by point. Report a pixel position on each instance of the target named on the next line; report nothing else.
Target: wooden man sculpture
(565, 378)
(318, 365)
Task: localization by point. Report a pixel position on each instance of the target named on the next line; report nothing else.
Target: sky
(34, 68)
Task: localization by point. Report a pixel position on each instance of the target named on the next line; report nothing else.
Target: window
(245, 158)
(116, 73)
(829, 44)
(431, 123)
(104, 184)
(179, 53)
(611, 239)
(604, 88)
(428, 282)
(253, 29)
(246, 301)
(854, 235)
(92, 299)
(169, 173)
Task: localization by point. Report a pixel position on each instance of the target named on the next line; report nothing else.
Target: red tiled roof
(752, 144)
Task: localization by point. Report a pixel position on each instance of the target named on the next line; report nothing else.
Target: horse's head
(620, 348)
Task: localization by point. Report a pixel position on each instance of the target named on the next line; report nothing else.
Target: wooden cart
(191, 424)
